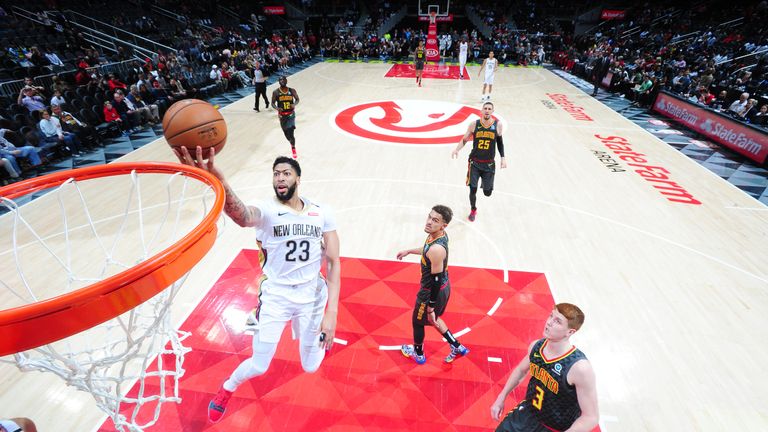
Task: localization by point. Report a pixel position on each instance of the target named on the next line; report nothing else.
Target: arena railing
(12, 88)
(756, 52)
(732, 23)
(120, 34)
(178, 17)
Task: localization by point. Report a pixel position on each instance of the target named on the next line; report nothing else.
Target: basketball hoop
(119, 266)
(432, 17)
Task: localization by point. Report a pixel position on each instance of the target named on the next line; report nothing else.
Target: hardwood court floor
(667, 260)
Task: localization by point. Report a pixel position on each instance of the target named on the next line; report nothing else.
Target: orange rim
(30, 326)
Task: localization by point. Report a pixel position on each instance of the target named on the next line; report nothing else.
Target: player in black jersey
(284, 100)
(486, 136)
(419, 57)
(435, 290)
(561, 394)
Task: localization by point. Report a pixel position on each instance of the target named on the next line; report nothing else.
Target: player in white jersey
(463, 48)
(294, 234)
(489, 66)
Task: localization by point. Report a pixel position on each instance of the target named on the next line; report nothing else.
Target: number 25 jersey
(291, 242)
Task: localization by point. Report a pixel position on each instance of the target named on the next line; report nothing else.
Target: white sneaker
(252, 322)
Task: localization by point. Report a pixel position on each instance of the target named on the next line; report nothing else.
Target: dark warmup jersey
(552, 400)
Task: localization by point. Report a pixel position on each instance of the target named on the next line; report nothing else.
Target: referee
(260, 82)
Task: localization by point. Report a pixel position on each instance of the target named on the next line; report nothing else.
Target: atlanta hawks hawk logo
(407, 121)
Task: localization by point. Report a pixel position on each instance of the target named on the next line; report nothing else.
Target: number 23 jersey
(291, 242)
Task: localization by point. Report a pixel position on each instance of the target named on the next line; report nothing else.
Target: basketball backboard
(439, 7)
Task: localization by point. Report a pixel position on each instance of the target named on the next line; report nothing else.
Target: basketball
(191, 123)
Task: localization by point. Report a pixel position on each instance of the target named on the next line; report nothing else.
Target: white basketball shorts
(276, 308)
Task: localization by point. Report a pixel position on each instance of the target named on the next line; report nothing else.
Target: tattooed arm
(243, 215)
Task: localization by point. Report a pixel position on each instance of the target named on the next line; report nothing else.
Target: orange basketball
(192, 123)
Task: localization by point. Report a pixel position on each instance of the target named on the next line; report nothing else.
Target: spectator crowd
(72, 106)
(703, 54)
(82, 93)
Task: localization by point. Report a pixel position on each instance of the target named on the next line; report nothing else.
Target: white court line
(514, 195)
(389, 347)
(463, 332)
(460, 333)
(571, 126)
(436, 83)
(340, 341)
(494, 359)
(563, 207)
(657, 139)
(495, 306)
(468, 225)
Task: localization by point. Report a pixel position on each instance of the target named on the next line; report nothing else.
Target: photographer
(30, 99)
(29, 82)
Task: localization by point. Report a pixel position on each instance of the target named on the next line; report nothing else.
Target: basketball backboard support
(439, 7)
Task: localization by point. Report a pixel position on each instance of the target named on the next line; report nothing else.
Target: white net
(75, 235)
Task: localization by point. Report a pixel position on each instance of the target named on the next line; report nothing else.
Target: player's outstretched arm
(582, 377)
(333, 279)
(467, 136)
(404, 253)
(482, 68)
(245, 216)
(518, 373)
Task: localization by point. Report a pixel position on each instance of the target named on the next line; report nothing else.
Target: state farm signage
(609, 14)
(732, 134)
(659, 177)
(274, 10)
(576, 111)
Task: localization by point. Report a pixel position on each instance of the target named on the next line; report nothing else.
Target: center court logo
(407, 121)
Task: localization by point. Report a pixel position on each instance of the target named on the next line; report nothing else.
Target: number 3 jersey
(291, 244)
(551, 399)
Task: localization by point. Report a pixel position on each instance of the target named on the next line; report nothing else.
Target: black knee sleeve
(472, 197)
(289, 135)
(418, 334)
(487, 192)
